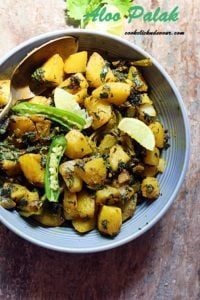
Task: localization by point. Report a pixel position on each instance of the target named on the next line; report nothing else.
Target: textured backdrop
(165, 262)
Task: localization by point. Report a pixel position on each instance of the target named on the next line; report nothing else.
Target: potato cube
(113, 92)
(26, 201)
(46, 218)
(31, 166)
(84, 225)
(85, 205)
(76, 62)
(124, 177)
(17, 191)
(21, 125)
(161, 165)
(150, 171)
(152, 157)
(40, 100)
(52, 71)
(145, 99)
(107, 142)
(137, 79)
(73, 182)
(109, 220)
(70, 205)
(77, 144)
(92, 172)
(117, 155)
(129, 208)
(97, 71)
(43, 128)
(80, 96)
(150, 188)
(107, 193)
(99, 110)
(74, 84)
(159, 133)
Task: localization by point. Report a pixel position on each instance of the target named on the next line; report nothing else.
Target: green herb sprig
(77, 9)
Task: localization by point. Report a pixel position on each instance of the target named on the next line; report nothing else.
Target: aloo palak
(87, 150)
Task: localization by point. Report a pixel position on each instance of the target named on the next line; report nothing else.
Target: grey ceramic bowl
(172, 113)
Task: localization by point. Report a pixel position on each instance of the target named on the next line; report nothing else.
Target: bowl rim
(165, 208)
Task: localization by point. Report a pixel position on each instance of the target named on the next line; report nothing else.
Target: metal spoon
(21, 76)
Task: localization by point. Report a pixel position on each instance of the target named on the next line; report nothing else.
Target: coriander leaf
(123, 6)
(93, 4)
(90, 11)
(76, 9)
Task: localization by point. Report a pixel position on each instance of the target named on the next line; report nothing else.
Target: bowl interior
(170, 111)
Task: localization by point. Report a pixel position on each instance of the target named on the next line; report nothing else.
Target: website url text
(155, 32)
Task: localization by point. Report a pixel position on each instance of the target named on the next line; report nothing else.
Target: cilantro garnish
(77, 9)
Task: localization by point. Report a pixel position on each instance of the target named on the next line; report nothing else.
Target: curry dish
(69, 157)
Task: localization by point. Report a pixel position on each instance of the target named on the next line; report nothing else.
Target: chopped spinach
(38, 75)
(104, 95)
(134, 98)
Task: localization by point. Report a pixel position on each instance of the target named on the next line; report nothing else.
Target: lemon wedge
(139, 131)
(113, 27)
(66, 101)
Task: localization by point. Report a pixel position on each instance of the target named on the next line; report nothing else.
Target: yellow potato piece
(84, 225)
(159, 133)
(40, 100)
(53, 70)
(96, 67)
(107, 193)
(49, 219)
(77, 144)
(117, 155)
(161, 165)
(107, 142)
(145, 99)
(30, 164)
(93, 172)
(21, 125)
(74, 84)
(85, 205)
(76, 62)
(137, 79)
(150, 171)
(152, 157)
(129, 208)
(113, 92)
(150, 188)
(70, 205)
(99, 110)
(19, 192)
(73, 182)
(80, 96)
(110, 220)
(11, 167)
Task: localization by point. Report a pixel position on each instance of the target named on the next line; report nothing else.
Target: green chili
(56, 150)
(65, 118)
